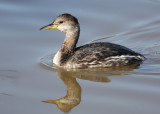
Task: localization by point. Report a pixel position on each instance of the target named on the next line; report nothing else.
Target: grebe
(100, 54)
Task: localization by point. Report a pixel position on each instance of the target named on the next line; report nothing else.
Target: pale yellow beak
(50, 26)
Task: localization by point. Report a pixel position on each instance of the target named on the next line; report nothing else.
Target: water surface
(25, 82)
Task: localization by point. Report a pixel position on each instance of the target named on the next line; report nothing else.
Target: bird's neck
(70, 42)
(68, 48)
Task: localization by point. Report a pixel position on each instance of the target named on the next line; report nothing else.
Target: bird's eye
(60, 22)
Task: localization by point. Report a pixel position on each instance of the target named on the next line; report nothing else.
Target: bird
(92, 55)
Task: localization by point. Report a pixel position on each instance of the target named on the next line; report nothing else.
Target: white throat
(56, 59)
(68, 46)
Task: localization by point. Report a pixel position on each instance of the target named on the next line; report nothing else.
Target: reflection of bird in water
(73, 97)
(92, 55)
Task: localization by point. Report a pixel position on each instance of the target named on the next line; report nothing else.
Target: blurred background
(24, 84)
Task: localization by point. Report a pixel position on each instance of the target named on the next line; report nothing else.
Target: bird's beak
(50, 26)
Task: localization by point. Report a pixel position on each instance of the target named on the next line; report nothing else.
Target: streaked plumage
(101, 54)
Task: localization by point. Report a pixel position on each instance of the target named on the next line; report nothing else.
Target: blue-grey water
(26, 76)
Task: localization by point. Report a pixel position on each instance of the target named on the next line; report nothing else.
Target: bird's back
(103, 54)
